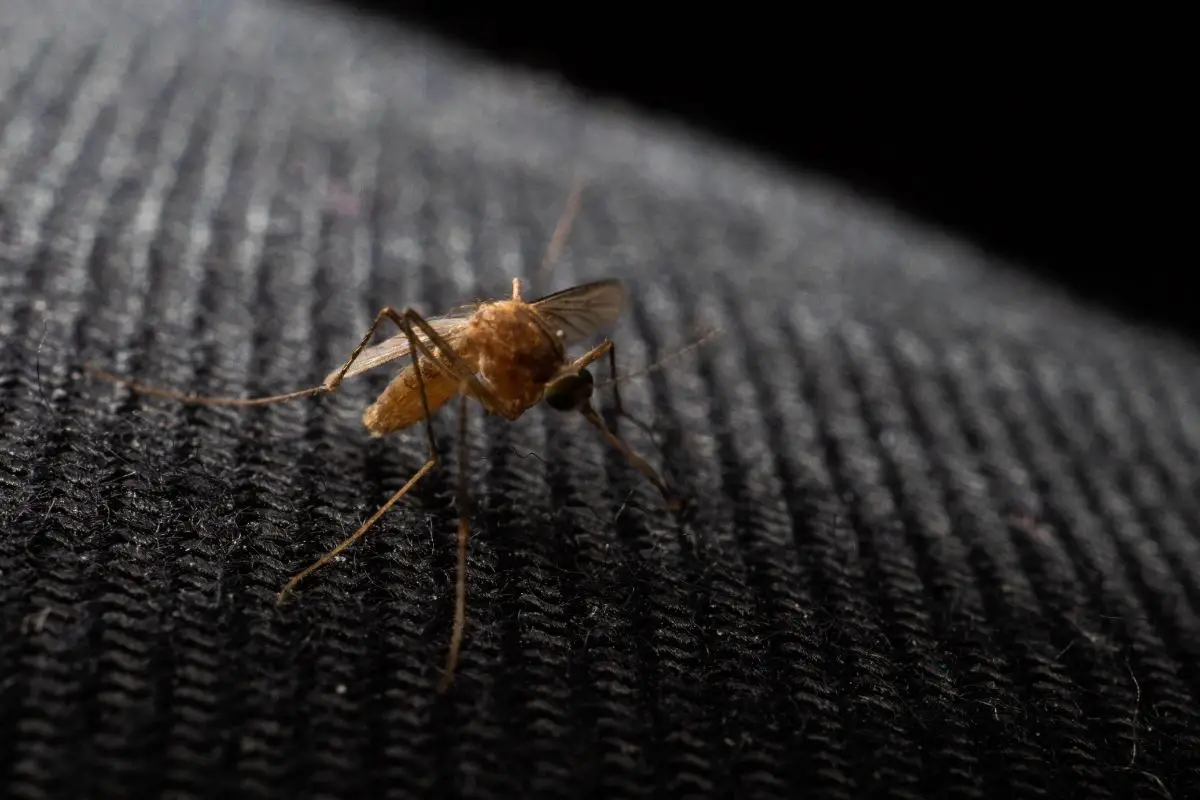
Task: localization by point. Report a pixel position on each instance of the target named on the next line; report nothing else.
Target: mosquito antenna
(661, 364)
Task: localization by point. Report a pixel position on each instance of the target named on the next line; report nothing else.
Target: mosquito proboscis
(508, 355)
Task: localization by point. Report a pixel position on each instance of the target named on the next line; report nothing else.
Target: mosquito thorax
(570, 391)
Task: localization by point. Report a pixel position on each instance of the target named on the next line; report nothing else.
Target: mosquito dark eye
(570, 391)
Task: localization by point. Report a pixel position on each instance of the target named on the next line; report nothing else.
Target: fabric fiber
(945, 527)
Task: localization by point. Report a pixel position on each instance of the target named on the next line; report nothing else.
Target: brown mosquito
(508, 355)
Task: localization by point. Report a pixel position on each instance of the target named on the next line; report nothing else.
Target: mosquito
(508, 355)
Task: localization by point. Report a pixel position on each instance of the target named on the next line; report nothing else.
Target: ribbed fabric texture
(946, 528)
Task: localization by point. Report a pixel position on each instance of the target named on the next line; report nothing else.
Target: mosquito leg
(451, 363)
(358, 534)
(387, 312)
(608, 347)
(674, 503)
(414, 346)
(460, 582)
(591, 356)
(612, 368)
(330, 385)
(561, 230)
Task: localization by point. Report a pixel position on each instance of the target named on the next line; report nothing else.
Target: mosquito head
(569, 392)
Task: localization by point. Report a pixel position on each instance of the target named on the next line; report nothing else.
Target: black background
(1047, 142)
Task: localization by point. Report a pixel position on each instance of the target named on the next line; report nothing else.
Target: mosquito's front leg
(673, 501)
(608, 347)
(591, 356)
(612, 368)
(572, 391)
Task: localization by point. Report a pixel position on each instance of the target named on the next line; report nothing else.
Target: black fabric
(946, 531)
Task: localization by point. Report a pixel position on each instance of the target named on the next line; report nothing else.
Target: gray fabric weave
(947, 525)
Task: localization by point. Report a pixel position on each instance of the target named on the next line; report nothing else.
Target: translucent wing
(580, 312)
(450, 328)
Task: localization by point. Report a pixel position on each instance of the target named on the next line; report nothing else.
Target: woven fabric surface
(946, 527)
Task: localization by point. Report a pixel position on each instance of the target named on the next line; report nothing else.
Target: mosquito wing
(580, 312)
(450, 328)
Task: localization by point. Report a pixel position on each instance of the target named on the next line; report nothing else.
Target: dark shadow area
(1042, 155)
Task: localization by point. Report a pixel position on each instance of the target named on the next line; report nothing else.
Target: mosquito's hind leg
(330, 385)
(452, 364)
(460, 582)
(558, 239)
(415, 347)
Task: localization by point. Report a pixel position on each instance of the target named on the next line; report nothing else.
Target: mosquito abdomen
(399, 405)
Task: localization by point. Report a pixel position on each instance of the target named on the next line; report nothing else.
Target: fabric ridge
(946, 525)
